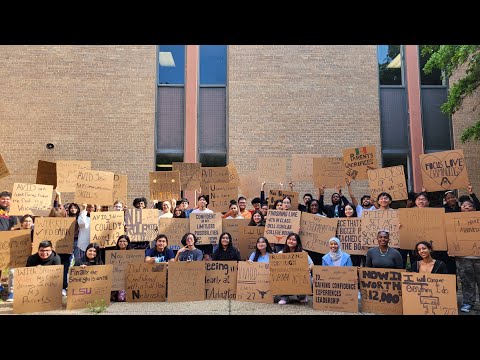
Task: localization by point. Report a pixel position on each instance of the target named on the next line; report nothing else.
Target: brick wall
(285, 100)
(92, 102)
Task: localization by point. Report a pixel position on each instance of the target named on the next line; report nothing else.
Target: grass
(97, 307)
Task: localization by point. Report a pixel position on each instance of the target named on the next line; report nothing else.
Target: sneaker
(304, 301)
(10, 298)
(64, 292)
(282, 302)
(466, 308)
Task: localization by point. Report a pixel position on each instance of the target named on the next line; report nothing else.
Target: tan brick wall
(93, 102)
(467, 116)
(285, 100)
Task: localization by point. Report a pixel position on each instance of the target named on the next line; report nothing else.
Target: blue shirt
(163, 256)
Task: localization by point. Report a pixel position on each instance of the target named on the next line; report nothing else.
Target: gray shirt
(390, 260)
(192, 255)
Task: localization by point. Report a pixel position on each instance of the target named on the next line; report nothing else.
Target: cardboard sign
(429, 294)
(220, 280)
(38, 289)
(206, 227)
(186, 281)
(253, 283)
(120, 186)
(94, 187)
(190, 175)
(89, 287)
(419, 224)
(381, 290)
(220, 195)
(335, 288)
(67, 172)
(272, 169)
(248, 237)
(289, 274)
(329, 171)
(249, 185)
(142, 224)
(164, 185)
(146, 282)
(302, 167)
(445, 170)
(316, 231)
(463, 230)
(59, 230)
(390, 180)
(358, 161)
(274, 195)
(174, 228)
(213, 175)
(47, 173)
(35, 199)
(350, 233)
(120, 260)
(106, 227)
(15, 248)
(375, 220)
(279, 224)
(233, 177)
(3, 168)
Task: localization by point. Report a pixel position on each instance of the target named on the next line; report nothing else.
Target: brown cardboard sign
(381, 290)
(329, 171)
(207, 227)
(272, 169)
(94, 187)
(146, 282)
(358, 161)
(33, 199)
(15, 248)
(67, 172)
(422, 224)
(120, 188)
(174, 228)
(220, 195)
(106, 227)
(375, 220)
(233, 177)
(289, 274)
(445, 170)
(390, 180)
(429, 294)
(248, 239)
(120, 260)
(350, 233)
(164, 185)
(190, 175)
(3, 168)
(213, 175)
(279, 224)
(274, 195)
(233, 227)
(253, 282)
(38, 289)
(186, 281)
(302, 167)
(141, 224)
(47, 173)
(463, 229)
(335, 288)
(315, 231)
(89, 287)
(59, 230)
(249, 185)
(220, 280)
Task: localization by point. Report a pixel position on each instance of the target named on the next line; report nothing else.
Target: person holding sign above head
(226, 251)
(366, 202)
(294, 244)
(91, 257)
(333, 211)
(384, 256)
(189, 252)
(83, 221)
(161, 252)
(336, 257)
(427, 264)
(262, 251)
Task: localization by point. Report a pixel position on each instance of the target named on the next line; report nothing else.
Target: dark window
(390, 64)
(171, 62)
(213, 64)
(435, 77)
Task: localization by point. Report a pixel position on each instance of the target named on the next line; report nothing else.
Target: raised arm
(349, 188)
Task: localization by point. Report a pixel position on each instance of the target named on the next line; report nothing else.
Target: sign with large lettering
(146, 282)
(164, 185)
(35, 199)
(390, 180)
(220, 280)
(375, 220)
(350, 233)
(279, 224)
(89, 287)
(94, 187)
(358, 161)
(142, 224)
(220, 195)
(59, 230)
(381, 290)
(445, 170)
(106, 227)
(253, 282)
(274, 195)
(207, 227)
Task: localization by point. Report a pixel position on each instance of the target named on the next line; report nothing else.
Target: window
(390, 64)
(435, 77)
(171, 62)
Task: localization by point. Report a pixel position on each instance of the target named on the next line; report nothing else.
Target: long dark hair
(342, 211)
(257, 252)
(98, 256)
(230, 248)
(262, 220)
(298, 248)
(123, 237)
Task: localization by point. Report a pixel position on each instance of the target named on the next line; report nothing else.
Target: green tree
(449, 58)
